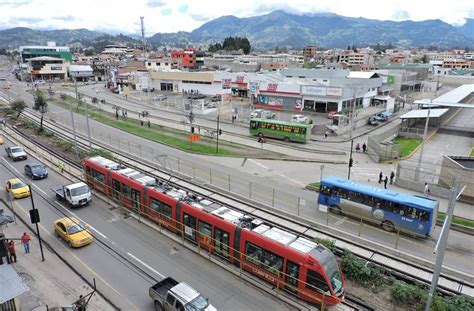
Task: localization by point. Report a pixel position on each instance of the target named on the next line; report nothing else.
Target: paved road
(156, 254)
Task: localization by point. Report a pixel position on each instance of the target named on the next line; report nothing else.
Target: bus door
(221, 239)
(116, 190)
(135, 199)
(292, 276)
(189, 227)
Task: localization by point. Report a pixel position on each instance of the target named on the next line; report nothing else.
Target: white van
(299, 118)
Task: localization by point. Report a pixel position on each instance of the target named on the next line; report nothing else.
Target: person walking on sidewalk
(385, 181)
(380, 177)
(392, 176)
(3, 249)
(358, 147)
(326, 134)
(25, 240)
(12, 251)
(364, 147)
(427, 189)
(61, 166)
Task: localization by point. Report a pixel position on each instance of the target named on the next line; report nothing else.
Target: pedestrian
(380, 177)
(81, 303)
(116, 114)
(326, 134)
(11, 250)
(61, 167)
(141, 122)
(385, 182)
(358, 147)
(364, 147)
(427, 190)
(3, 249)
(392, 176)
(25, 240)
(148, 123)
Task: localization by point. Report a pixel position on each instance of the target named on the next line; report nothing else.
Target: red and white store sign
(272, 87)
(239, 79)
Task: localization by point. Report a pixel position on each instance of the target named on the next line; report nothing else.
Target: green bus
(288, 131)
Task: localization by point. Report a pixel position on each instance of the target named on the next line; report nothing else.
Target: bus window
(272, 263)
(316, 282)
(253, 253)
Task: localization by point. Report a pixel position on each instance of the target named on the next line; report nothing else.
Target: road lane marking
(41, 190)
(95, 230)
(276, 173)
(145, 265)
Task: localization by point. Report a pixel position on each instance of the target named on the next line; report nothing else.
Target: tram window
(315, 281)
(98, 176)
(253, 253)
(88, 171)
(126, 190)
(292, 273)
(205, 229)
(161, 208)
(271, 262)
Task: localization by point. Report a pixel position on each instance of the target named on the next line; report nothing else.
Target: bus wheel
(388, 226)
(260, 134)
(335, 209)
(287, 139)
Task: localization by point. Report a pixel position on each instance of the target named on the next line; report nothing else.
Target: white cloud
(125, 16)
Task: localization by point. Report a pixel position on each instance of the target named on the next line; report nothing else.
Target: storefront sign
(313, 90)
(333, 91)
(298, 104)
(239, 79)
(272, 87)
(226, 83)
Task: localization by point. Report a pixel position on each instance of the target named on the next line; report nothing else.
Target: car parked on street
(372, 120)
(383, 115)
(36, 171)
(159, 97)
(73, 232)
(299, 118)
(262, 114)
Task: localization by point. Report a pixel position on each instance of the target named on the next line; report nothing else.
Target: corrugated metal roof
(11, 284)
(423, 113)
(362, 75)
(80, 68)
(455, 96)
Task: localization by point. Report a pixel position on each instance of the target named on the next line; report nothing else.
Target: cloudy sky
(186, 15)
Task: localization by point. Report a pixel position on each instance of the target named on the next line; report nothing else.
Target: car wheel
(335, 209)
(158, 306)
(57, 233)
(69, 244)
(286, 139)
(388, 226)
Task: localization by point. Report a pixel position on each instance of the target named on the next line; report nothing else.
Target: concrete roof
(362, 75)
(11, 284)
(455, 96)
(314, 73)
(80, 68)
(45, 58)
(423, 113)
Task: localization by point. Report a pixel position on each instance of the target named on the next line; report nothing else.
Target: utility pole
(142, 28)
(218, 132)
(34, 215)
(74, 127)
(440, 247)
(425, 134)
(351, 161)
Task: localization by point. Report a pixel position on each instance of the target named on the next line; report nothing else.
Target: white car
(42, 82)
(299, 118)
(159, 97)
(262, 114)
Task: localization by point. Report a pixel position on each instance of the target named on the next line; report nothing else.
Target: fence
(379, 146)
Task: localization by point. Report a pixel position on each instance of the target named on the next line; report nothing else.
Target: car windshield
(198, 303)
(75, 229)
(332, 271)
(80, 190)
(18, 185)
(16, 149)
(37, 168)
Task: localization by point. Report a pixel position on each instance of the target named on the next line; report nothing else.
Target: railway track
(298, 227)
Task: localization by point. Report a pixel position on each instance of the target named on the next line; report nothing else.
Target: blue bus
(392, 210)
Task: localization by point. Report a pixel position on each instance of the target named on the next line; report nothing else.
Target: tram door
(189, 227)
(222, 242)
(135, 199)
(115, 189)
(292, 276)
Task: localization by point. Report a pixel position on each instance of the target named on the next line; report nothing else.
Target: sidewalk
(52, 283)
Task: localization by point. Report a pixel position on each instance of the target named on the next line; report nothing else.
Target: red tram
(293, 263)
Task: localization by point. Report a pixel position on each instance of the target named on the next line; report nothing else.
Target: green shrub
(99, 152)
(330, 244)
(362, 272)
(459, 303)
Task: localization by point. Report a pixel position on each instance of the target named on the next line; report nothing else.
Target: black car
(36, 171)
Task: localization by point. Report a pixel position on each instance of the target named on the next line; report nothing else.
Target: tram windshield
(333, 274)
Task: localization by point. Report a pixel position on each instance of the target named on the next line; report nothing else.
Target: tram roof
(381, 192)
(105, 162)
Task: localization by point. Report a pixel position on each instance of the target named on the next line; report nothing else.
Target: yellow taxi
(1, 139)
(17, 188)
(73, 232)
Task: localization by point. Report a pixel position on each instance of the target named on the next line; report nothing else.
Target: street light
(425, 133)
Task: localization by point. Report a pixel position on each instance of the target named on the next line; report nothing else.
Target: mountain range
(277, 29)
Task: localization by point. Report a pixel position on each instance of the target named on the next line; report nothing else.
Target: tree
(41, 105)
(18, 106)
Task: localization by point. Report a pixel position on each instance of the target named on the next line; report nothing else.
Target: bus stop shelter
(413, 122)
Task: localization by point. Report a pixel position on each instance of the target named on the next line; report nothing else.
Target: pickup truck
(75, 195)
(16, 153)
(170, 295)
